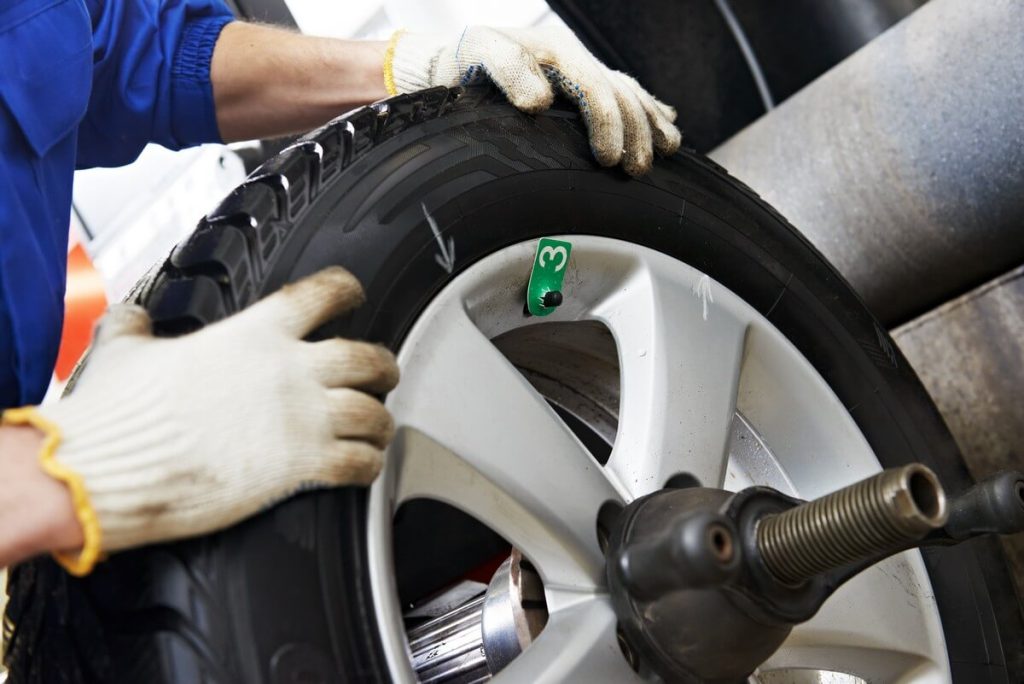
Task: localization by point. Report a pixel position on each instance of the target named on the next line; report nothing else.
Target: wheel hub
(487, 631)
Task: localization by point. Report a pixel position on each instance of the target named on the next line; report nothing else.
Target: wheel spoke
(875, 664)
(475, 434)
(680, 353)
(578, 644)
(858, 629)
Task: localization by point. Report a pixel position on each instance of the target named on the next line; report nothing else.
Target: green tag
(549, 266)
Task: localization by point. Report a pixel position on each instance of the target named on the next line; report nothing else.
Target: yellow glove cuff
(82, 563)
(389, 63)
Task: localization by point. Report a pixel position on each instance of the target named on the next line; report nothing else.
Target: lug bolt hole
(721, 543)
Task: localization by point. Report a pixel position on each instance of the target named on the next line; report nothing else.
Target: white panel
(449, 15)
(334, 19)
(377, 19)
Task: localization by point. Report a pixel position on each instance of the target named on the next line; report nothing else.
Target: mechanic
(169, 438)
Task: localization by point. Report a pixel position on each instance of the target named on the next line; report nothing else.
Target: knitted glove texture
(626, 123)
(175, 437)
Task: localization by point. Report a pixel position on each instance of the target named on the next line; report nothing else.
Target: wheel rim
(708, 387)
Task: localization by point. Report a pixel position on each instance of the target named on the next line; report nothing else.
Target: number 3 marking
(552, 252)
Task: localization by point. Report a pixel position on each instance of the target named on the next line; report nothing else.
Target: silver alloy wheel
(707, 386)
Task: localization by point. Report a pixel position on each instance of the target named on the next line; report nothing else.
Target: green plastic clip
(544, 293)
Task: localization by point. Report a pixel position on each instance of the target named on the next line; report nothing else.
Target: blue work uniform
(83, 83)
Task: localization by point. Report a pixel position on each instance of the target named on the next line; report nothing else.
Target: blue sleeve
(151, 77)
(45, 83)
(32, 262)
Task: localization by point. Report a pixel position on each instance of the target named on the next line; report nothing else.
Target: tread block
(332, 151)
(253, 202)
(181, 305)
(292, 175)
(436, 102)
(219, 247)
(253, 208)
(360, 131)
(402, 111)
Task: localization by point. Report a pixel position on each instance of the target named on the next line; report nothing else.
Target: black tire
(283, 597)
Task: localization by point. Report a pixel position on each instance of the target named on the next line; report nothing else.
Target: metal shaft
(449, 648)
(871, 518)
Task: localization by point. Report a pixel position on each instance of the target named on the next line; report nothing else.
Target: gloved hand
(626, 123)
(165, 438)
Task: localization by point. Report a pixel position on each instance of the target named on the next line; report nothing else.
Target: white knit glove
(626, 123)
(170, 438)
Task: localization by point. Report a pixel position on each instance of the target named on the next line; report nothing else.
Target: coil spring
(881, 514)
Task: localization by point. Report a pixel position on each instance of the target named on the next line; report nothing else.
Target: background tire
(283, 597)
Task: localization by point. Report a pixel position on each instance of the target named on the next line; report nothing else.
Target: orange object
(84, 302)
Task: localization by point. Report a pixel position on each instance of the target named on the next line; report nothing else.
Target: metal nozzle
(879, 515)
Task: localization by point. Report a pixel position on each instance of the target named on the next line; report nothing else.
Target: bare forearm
(269, 82)
(36, 515)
